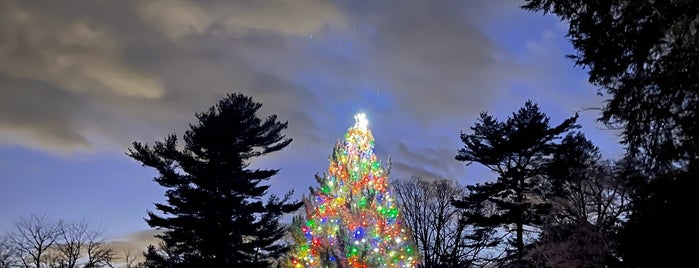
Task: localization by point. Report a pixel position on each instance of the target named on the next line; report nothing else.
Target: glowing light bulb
(360, 121)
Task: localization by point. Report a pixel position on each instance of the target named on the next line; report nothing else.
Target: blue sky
(80, 81)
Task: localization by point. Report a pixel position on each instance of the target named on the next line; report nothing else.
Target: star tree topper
(360, 121)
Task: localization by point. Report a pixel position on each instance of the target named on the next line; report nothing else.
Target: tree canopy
(214, 215)
(517, 150)
(645, 56)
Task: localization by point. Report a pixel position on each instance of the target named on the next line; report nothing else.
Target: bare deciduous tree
(32, 238)
(601, 197)
(37, 242)
(81, 246)
(8, 254)
(441, 235)
(590, 198)
(129, 258)
(98, 254)
(73, 238)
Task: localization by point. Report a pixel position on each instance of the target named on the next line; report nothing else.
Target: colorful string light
(352, 219)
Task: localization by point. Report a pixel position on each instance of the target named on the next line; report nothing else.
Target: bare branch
(32, 238)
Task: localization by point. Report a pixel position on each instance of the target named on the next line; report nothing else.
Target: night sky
(81, 80)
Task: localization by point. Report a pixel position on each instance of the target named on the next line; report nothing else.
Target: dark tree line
(644, 55)
(555, 202)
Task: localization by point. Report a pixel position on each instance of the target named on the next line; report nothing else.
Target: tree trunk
(520, 243)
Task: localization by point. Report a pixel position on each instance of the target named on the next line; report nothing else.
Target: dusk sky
(81, 80)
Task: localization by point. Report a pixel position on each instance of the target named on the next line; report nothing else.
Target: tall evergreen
(645, 56)
(517, 150)
(215, 215)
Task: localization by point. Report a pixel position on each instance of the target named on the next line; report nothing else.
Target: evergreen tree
(645, 56)
(352, 218)
(517, 150)
(215, 215)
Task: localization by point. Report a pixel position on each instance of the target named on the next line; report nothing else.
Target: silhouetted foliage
(517, 150)
(573, 244)
(215, 215)
(645, 55)
(662, 222)
(161, 257)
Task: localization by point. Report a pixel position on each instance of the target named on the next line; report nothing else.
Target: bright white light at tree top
(360, 121)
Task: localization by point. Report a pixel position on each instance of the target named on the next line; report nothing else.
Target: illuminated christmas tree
(352, 219)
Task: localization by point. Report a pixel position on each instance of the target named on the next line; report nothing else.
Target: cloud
(435, 163)
(68, 53)
(54, 68)
(80, 76)
(180, 18)
(133, 244)
(22, 117)
(429, 58)
(89, 74)
(98, 75)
